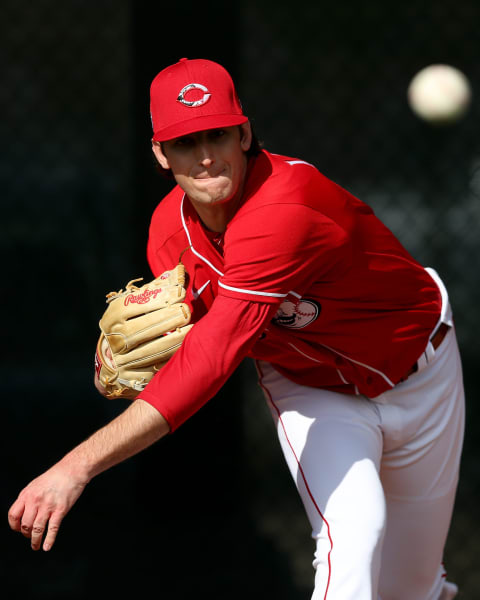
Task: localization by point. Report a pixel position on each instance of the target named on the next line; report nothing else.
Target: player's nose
(206, 156)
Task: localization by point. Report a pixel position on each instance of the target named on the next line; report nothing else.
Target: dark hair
(254, 150)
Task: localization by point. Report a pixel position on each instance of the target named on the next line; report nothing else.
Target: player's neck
(214, 219)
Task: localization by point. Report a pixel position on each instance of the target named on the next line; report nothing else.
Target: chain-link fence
(325, 82)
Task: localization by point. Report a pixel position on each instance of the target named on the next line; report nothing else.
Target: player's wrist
(78, 466)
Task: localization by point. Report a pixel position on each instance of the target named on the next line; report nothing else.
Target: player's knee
(354, 539)
(342, 563)
(412, 584)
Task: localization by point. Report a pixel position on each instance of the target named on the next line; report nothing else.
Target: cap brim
(198, 124)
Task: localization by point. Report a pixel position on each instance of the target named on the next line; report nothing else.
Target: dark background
(211, 509)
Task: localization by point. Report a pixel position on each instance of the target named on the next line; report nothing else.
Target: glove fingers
(147, 327)
(152, 352)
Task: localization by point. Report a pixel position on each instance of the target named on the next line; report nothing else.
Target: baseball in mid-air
(439, 94)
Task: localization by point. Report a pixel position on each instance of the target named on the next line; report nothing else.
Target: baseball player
(353, 340)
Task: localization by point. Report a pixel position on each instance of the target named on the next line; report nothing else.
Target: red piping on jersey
(270, 399)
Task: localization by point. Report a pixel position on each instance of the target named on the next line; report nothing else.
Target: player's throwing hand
(42, 505)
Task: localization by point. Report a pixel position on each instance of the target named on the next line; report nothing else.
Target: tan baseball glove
(142, 328)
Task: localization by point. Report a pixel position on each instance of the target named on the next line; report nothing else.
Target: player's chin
(214, 193)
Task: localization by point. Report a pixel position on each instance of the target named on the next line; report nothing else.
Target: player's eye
(184, 142)
(215, 134)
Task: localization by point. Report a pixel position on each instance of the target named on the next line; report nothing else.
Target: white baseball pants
(377, 478)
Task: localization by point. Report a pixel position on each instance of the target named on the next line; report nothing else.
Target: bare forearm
(138, 427)
(44, 502)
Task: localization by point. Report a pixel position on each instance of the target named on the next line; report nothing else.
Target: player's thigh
(332, 444)
(420, 477)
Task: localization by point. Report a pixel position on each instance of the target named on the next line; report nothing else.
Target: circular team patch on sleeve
(296, 315)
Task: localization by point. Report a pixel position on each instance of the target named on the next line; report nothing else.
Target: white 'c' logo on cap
(194, 86)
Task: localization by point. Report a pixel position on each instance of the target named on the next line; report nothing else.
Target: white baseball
(439, 94)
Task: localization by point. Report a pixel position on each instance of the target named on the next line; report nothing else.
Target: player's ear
(245, 136)
(159, 155)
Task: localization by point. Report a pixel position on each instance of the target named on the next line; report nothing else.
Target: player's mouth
(207, 176)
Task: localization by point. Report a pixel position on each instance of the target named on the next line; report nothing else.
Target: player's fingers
(28, 519)
(53, 527)
(15, 514)
(38, 529)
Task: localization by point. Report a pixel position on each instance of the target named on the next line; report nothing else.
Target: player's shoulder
(276, 180)
(166, 217)
(166, 235)
(288, 177)
(281, 165)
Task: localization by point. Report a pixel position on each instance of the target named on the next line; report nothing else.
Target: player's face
(210, 166)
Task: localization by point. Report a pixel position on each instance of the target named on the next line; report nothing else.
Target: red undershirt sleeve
(210, 353)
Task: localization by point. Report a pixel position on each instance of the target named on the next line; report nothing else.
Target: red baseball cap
(190, 96)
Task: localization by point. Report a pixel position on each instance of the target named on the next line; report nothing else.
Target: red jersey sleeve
(275, 250)
(208, 356)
